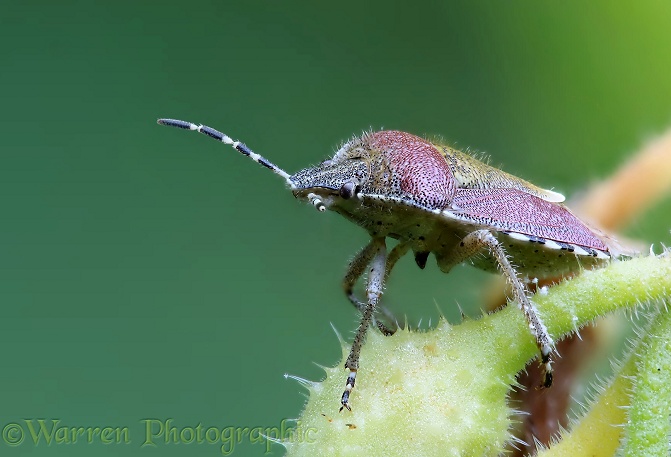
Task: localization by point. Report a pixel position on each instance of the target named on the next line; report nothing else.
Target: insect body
(436, 200)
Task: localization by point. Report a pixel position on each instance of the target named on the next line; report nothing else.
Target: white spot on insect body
(518, 236)
(577, 250)
(552, 245)
(553, 196)
(601, 255)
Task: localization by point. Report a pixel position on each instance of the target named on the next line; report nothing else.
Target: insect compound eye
(349, 189)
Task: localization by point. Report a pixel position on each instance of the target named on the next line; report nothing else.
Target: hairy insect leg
(356, 269)
(373, 292)
(474, 243)
(395, 254)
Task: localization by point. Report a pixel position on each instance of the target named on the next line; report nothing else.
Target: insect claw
(546, 364)
(547, 381)
(345, 402)
(348, 389)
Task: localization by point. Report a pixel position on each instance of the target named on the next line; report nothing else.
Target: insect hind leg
(473, 244)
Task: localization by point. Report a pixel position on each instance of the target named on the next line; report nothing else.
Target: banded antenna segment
(240, 147)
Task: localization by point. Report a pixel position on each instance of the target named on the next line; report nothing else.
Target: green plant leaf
(444, 392)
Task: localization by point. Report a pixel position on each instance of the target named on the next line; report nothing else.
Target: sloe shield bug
(436, 200)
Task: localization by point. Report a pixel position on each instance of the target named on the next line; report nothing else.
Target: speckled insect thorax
(431, 195)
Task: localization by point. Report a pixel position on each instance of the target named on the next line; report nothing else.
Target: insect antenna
(240, 147)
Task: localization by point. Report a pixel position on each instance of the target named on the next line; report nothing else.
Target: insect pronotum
(436, 200)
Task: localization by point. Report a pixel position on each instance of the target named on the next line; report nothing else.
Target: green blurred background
(148, 272)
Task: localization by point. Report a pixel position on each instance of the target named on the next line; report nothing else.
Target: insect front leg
(356, 269)
(373, 293)
(474, 243)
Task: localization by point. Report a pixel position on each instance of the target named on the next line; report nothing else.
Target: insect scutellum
(437, 200)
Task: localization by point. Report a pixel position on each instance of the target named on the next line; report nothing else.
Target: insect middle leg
(471, 245)
(356, 269)
(374, 289)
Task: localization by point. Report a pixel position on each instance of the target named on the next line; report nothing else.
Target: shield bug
(437, 200)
